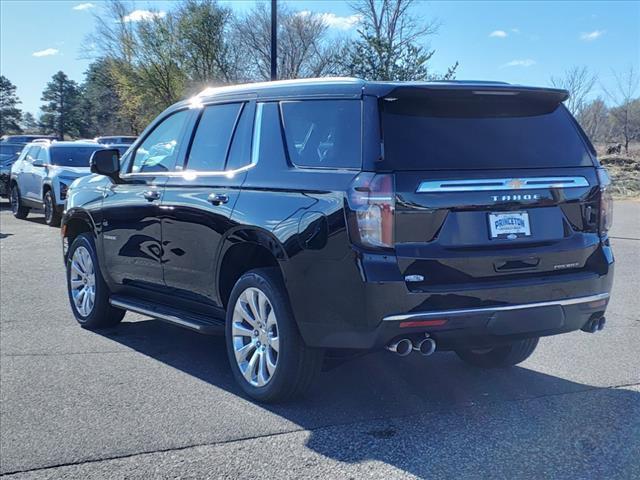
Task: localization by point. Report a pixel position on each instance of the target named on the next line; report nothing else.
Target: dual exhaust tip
(595, 325)
(405, 346)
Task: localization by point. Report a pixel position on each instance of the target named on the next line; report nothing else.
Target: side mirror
(38, 163)
(106, 162)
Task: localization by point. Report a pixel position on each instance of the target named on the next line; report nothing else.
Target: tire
(281, 373)
(52, 215)
(19, 211)
(501, 356)
(99, 313)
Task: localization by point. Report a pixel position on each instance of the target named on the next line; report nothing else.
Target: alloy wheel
(255, 337)
(82, 281)
(48, 208)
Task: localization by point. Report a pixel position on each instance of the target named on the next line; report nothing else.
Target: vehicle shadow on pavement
(431, 416)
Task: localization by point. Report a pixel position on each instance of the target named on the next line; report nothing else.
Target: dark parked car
(9, 152)
(122, 140)
(342, 214)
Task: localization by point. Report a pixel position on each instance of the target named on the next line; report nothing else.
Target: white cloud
(527, 62)
(591, 36)
(47, 52)
(334, 21)
(84, 6)
(515, 30)
(143, 15)
(498, 34)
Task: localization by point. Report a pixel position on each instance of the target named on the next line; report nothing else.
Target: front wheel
(88, 292)
(268, 357)
(52, 215)
(19, 211)
(501, 356)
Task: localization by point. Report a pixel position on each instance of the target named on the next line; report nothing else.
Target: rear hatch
(491, 183)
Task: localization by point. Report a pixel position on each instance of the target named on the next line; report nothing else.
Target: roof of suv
(67, 144)
(353, 88)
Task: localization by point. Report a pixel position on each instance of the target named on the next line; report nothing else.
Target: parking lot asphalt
(150, 400)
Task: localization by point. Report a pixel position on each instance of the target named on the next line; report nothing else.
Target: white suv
(43, 172)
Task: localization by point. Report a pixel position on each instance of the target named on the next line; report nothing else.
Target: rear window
(323, 133)
(419, 136)
(71, 156)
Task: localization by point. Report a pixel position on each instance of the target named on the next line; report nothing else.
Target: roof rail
(42, 140)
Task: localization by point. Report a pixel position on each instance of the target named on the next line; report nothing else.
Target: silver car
(43, 172)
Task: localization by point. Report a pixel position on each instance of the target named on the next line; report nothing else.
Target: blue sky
(520, 42)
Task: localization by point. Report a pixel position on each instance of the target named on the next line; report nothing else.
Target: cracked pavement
(148, 399)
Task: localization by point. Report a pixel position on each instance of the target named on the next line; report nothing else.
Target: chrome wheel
(82, 280)
(255, 337)
(15, 200)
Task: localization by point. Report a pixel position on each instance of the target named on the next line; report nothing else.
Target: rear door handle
(151, 195)
(218, 198)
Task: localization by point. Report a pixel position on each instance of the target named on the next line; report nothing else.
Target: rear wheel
(88, 292)
(19, 211)
(501, 356)
(268, 357)
(51, 213)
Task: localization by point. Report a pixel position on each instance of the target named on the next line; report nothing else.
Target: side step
(193, 321)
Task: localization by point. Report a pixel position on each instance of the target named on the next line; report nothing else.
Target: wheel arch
(75, 222)
(242, 250)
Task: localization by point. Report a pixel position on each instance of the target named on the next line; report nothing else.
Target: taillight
(605, 216)
(372, 203)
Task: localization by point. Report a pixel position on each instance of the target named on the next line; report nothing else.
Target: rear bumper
(474, 316)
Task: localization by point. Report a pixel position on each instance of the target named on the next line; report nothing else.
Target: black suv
(306, 216)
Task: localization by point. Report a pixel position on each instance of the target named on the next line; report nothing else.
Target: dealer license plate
(509, 225)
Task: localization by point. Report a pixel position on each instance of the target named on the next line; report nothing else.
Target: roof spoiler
(468, 90)
(471, 100)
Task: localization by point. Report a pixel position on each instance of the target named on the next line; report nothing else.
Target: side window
(240, 150)
(323, 133)
(159, 151)
(211, 141)
(31, 154)
(42, 156)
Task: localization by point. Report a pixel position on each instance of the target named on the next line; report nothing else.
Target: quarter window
(323, 133)
(210, 144)
(159, 151)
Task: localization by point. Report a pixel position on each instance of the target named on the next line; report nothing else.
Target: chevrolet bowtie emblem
(515, 184)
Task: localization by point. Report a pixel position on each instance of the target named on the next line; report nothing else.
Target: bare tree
(114, 36)
(303, 47)
(593, 119)
(579, 82)
(622, 95)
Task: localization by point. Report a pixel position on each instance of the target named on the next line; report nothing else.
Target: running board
(193, 321)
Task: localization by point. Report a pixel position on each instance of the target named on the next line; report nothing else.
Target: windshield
(72, 156)
(479, 136)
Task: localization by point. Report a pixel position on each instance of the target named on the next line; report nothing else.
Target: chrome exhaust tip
(402, 347)
(425, 347)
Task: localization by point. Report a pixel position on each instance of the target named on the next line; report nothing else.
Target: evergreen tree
(29, 123)
(61, 113)
(10, 114)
